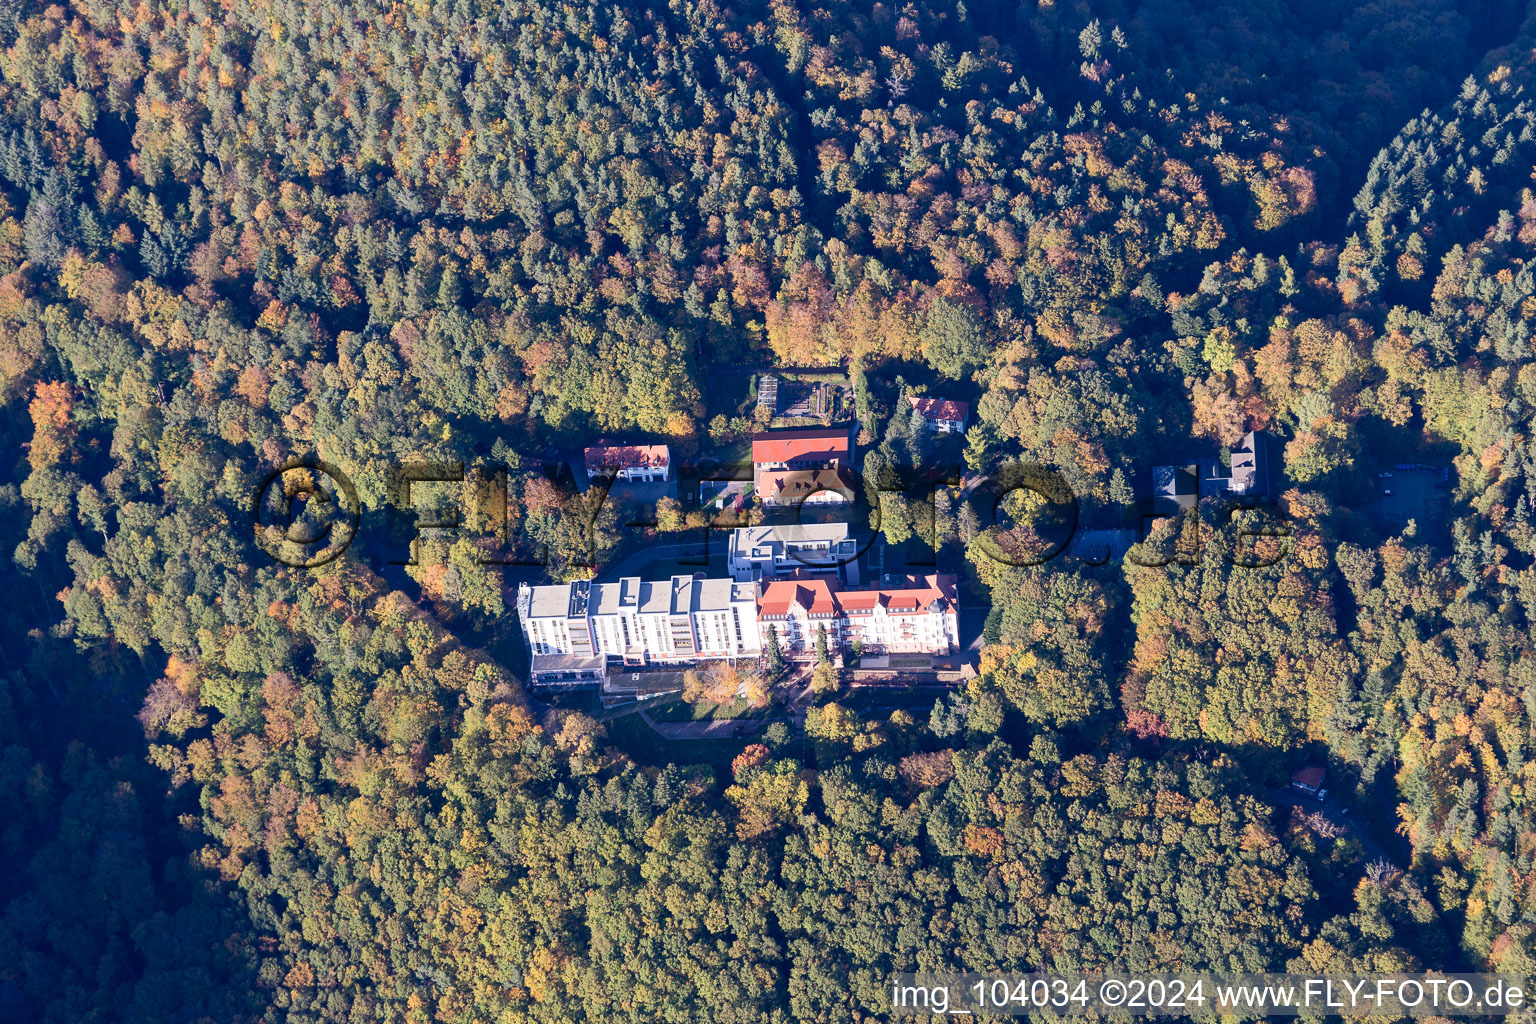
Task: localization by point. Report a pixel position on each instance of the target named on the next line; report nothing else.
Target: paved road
(1335, 810)
(973, 616)
(633, 565)
(707, 730)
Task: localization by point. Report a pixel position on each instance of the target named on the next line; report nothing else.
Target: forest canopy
(235, 234)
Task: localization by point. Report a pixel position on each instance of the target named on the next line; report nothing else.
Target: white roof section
(767, 541)
(678, 595)
(714, 595)
(793, 533)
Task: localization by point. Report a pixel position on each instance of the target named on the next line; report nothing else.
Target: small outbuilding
(1309, 780)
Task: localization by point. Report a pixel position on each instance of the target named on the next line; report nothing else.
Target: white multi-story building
(763, 552)
(921, 616)
(559, 634)
(576, 630)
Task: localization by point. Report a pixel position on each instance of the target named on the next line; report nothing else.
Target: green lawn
(681, 711)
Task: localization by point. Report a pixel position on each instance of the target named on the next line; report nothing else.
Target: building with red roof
(805, 486)
(920, 615)
(941, 415)
(791, 467)
(819, 448)
(1309, 780)
(631, 462)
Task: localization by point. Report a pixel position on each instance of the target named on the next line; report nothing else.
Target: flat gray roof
(678, 595)
(605, 598)
(656, 597)
(567, 662)
(684, 593)
(610, 598)
(550, 602)
(713, 595)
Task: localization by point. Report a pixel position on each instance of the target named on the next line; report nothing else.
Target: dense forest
(238, 233)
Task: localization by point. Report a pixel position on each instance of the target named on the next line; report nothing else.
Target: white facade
(642, 474)
(763, 552)
(635, 622)
(930, 631)
(555, 618)
(919, 617)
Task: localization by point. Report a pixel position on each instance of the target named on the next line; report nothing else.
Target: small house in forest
(940, 415)
(634, 463)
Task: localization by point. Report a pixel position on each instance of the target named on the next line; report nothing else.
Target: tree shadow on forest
(103, 911)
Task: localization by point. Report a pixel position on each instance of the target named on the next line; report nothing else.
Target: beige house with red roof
(941, 415)
(919, 616)
(634, 463)
(791, 467)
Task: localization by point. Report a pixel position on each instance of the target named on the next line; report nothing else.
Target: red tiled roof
(626, 456)
(826, 445)
(1311, 776)
(940, 408)
(822, 595)
(812, 595)
(776, 484)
